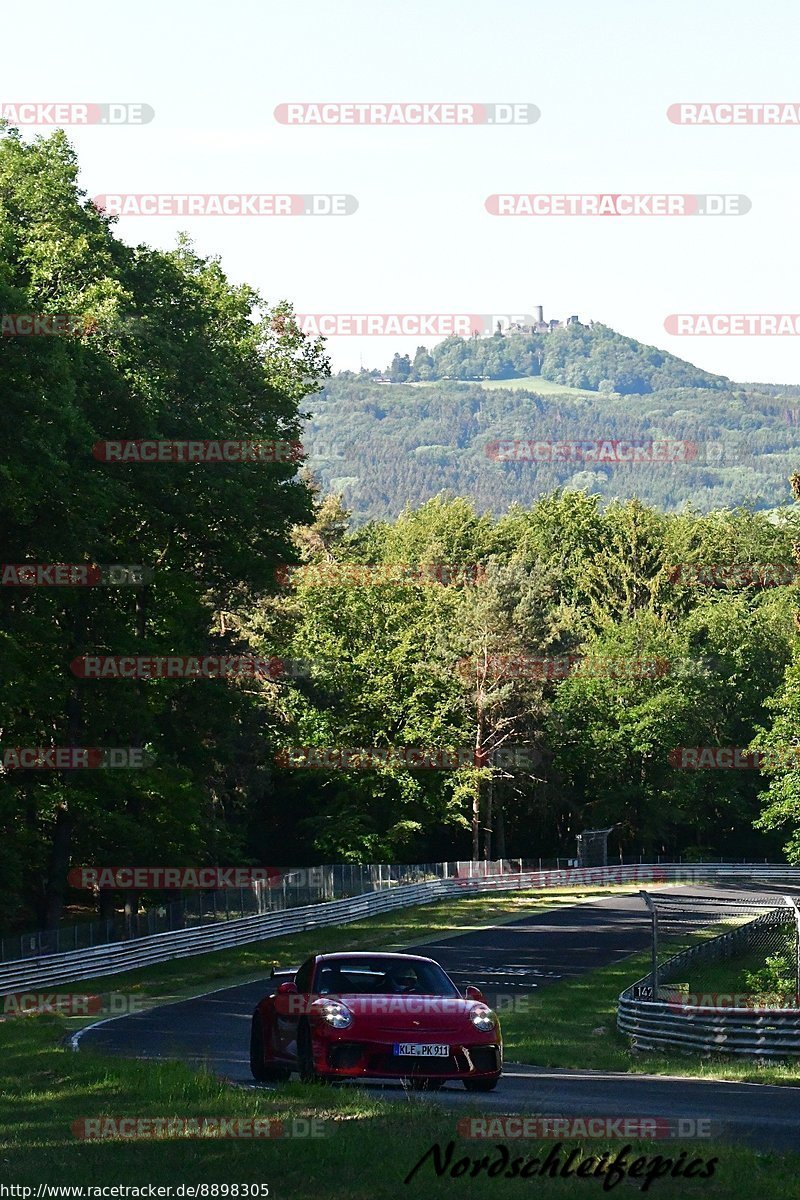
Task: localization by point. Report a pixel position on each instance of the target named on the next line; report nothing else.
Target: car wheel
(424, 1083)
(258, 1068)
(480, 1085)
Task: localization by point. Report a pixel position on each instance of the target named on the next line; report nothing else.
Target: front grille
(391, 1064)
(347, 1055)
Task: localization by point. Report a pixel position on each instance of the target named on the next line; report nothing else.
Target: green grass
(557, 1028)
(528, 383)
(369, 1147)
(370, 1143)
(542, 387)
(728, 976)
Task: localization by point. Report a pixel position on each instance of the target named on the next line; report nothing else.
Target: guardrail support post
(654, 944)
(791, 900)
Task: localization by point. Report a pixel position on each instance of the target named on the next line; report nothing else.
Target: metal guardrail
(116, 957)
(165, 911)
(755, 1031)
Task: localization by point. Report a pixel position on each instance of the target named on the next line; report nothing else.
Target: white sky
(603, 76)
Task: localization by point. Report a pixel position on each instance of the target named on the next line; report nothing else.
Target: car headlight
(483, 1019)
(333, 1013)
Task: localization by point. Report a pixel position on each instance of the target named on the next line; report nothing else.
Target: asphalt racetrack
(503, 960)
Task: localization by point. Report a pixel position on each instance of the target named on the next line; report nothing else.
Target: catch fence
(724, 976)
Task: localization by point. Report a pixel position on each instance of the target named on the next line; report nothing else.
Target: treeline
(593, 356)
(383, 446)
(403, 627)
(433, 664)
(161, 346)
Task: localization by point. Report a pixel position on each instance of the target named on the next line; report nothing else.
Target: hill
(593, 357)
(384, 441)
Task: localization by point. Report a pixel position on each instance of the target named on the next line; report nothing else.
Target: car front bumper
(351, 1057)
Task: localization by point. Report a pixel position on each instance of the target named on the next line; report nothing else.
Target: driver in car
(403, 980)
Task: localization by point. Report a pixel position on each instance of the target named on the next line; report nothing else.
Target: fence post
(796, 911)
(654, 947)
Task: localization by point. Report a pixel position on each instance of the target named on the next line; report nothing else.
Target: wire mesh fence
(152, 912)
(723, 951)
(287, 887)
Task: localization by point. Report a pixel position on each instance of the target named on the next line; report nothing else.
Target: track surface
(503, 960)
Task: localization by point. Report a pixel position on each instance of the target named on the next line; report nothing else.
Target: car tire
(260, 1071)
(480, 1085)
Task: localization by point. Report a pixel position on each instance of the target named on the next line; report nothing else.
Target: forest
(384, 445)
(479, 674)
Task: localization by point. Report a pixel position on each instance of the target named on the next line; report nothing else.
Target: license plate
(421, 1049)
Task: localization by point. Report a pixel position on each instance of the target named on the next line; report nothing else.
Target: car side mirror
(287, 989)
(473, 993)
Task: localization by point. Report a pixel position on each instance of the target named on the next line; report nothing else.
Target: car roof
(371, 956)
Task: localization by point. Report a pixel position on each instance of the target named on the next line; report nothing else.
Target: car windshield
(382, 976)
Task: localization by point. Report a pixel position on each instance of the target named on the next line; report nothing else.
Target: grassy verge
(573, 1024)
(370, 1144)
(569, 1024)
(368, 1148)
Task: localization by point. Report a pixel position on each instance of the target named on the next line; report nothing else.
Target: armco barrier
(111, 959)
(655, 1024)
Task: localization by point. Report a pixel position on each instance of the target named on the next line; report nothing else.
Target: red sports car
(382, 1016)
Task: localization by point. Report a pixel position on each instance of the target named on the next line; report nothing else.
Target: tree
(400, 369)
(166, 348)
